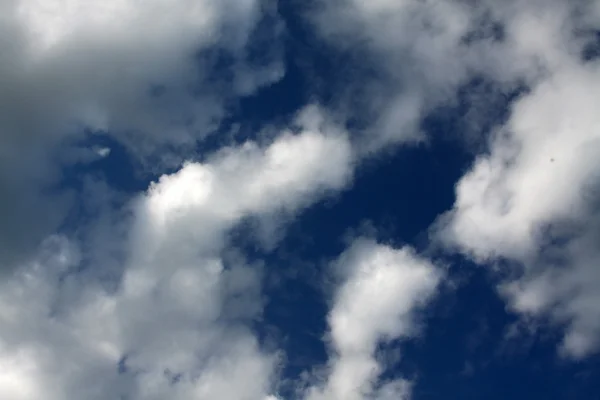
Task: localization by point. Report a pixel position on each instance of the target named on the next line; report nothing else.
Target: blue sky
(299, 200)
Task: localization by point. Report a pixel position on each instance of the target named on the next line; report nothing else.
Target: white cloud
(73, 350)
(539, 168)
(534, 198)
(177, 323)
(247, 179)
(381, 290)
(69, 65)
(422, 52)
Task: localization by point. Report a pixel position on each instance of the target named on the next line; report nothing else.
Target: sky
(299, 200)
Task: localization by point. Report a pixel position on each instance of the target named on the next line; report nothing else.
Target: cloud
(417, 54)
(64, 338)
(533, 199)
(176, 320)
(95, 64)
(155, 75)
(148, 302)
(381, 289)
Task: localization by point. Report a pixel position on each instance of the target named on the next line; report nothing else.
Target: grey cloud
(70, 65)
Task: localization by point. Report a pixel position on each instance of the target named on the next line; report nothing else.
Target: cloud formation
(532, 197)
(156, 78)
(381, 289)
(177, 321)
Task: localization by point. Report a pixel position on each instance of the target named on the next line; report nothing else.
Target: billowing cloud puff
(177, 321)
(534, 198)
(380, 292)
(65, 338)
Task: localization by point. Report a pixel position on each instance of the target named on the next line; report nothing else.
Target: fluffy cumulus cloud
(381, 289)
(155, 76)
(176, 321)
(157, 336)
(532, 198)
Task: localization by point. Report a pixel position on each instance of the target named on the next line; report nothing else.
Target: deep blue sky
(462, 352)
